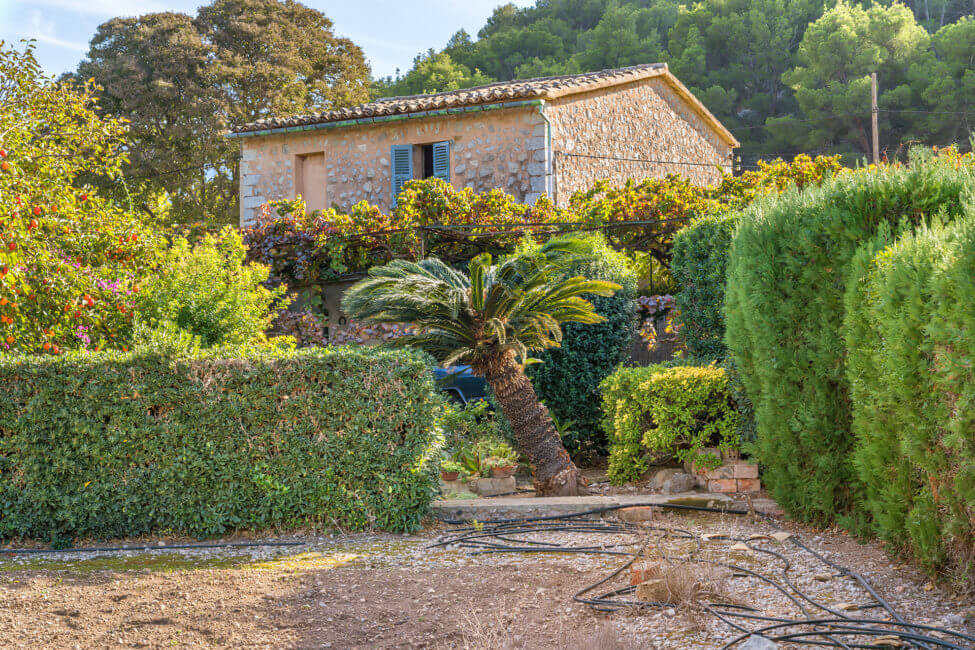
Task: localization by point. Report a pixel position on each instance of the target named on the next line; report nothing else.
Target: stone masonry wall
(645, 120)
(503, 148)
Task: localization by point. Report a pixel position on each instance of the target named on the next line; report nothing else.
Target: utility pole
(873, 118)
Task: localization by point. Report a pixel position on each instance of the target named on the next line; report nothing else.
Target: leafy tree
(69, 258)
(832, 79)
(183, 81)
(155, 71)
(733, 55)
(432, 72)
(279, 58)
(947, 77)
(491, 320)
(624, 36)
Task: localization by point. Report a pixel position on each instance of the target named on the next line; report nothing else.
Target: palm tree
(491, 320)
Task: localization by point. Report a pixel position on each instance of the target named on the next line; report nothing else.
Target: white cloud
(44, 31)
(109, 8)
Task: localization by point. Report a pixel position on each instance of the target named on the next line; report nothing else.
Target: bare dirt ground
(388, 591)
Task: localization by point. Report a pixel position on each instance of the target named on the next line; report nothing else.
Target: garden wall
(113, 445)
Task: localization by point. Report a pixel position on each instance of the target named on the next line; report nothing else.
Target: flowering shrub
(325, 245)
(70, 260)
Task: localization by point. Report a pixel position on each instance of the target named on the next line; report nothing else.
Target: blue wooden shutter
(401, 161)
(441, 160)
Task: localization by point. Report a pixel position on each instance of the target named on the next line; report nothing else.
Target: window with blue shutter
(401, 168)
(441, 160)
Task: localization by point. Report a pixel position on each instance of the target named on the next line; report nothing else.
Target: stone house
(552, 135)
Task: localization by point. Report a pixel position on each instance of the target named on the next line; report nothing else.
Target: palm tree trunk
(553, 472)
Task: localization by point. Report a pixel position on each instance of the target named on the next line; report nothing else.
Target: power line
(906, 110)
(860, 115)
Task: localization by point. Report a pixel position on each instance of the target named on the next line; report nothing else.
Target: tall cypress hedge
(790, 263)
(568, 378)
(910, 332)
(110, 445)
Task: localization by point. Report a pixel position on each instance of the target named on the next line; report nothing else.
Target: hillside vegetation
(784, 75)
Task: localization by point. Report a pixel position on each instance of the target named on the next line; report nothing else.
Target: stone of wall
(644, 120)
(503, 148)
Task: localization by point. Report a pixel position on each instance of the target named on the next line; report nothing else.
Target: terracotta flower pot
(449, 476)
(503, 472)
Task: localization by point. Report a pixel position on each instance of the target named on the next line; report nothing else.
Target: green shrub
(674, 411)
(115, 444)
(568, 378)
(788, 270)
(910, 331)
(700, 260)
(208, 291)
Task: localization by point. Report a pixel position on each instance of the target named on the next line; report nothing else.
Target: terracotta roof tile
(542, 87)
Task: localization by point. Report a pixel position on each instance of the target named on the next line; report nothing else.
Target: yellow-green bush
(674, 411)
(113, 444)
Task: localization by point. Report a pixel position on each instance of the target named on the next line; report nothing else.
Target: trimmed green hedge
(670, 411)
(699, 264)
(112, 445)
(568, 378)
(910, 331)
(788, 271)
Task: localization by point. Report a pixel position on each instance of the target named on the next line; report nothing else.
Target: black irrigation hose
(497, 536)
(145, 547)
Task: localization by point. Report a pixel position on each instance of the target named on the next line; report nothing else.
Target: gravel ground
(389, 591)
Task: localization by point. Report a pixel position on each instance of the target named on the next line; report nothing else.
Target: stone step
(485, 510)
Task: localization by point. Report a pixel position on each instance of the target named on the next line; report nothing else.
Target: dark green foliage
(568, 378)
(699, 264)
(114, 445)
(910, 331)
(789, 266)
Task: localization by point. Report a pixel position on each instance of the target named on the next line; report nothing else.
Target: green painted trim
(391, 118)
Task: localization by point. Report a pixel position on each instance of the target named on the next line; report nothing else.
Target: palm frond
(517, 305)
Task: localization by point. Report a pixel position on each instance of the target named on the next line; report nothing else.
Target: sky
(390, 32)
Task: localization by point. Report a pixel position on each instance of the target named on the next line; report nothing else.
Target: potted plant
(501, 467)
(450, 470)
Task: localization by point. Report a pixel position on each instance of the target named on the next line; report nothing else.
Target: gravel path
(391, 591)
